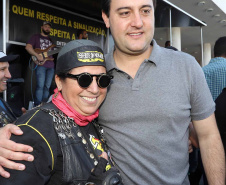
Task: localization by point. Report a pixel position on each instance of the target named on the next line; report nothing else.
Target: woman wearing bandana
(67, 147)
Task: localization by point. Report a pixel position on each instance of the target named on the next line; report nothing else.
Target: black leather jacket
(64, 153)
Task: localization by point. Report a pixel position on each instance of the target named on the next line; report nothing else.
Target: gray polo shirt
(146, 119)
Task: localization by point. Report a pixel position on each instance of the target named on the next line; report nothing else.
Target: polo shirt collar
(154, 57)
(110, 62)
(218, 59)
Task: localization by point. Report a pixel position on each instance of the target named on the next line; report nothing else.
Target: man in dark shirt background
(82, 34)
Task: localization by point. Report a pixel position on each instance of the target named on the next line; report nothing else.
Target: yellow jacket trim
(26, 124)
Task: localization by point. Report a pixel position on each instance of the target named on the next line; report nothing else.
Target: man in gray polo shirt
(155, 94)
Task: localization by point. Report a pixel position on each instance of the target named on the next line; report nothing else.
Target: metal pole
(170, 20)
(4, 37)
(202, 62)
(4, 25)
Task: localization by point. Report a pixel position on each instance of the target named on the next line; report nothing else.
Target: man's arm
(212, 150)
(10, 150)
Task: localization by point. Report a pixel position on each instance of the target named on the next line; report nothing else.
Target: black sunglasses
(85, 79)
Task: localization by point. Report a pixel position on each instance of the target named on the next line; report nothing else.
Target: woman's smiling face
(84, 100)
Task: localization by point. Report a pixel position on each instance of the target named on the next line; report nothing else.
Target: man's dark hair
(80, 31)
(220, 47)
(106, 6)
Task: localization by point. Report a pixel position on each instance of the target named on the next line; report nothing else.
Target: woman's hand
(10, 150)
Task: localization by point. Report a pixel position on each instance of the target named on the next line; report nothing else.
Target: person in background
(220, 115)
(36, 46)
(6, 114)
(171, 47)
(167, 43)
(215, 71)
(168, 46)
(82, 34)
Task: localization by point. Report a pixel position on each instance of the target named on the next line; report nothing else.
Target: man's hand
(10, 150)
(40, 58)
(190, 148)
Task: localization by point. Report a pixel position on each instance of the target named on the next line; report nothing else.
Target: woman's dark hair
(106, 6)
(62, 75)
(220, 47)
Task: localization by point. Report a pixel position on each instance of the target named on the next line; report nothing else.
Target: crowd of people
(122, 118)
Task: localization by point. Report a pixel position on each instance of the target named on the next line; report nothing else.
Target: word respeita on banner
(29, 16)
